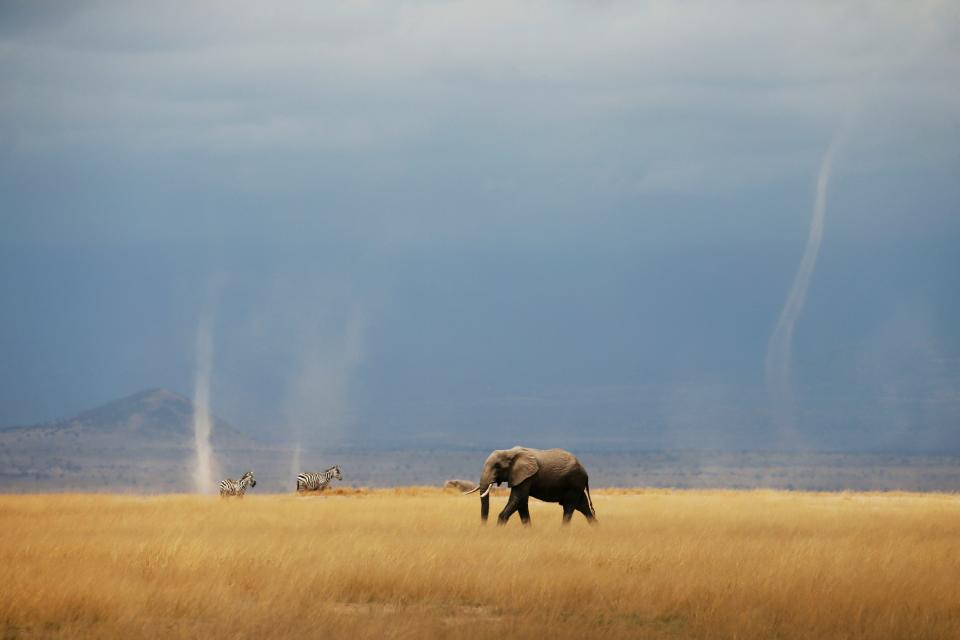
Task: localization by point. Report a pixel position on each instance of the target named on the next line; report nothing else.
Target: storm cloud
(552, 222)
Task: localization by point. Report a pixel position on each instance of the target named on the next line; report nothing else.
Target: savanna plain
(416, 563)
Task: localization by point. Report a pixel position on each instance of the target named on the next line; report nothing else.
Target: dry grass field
(415, 563)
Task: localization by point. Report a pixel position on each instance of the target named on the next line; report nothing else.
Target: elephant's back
(558, 465)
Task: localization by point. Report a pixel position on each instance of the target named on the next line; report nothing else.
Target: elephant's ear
(524, 466)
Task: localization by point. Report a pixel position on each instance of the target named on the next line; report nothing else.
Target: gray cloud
(526, 200)
(236, 77)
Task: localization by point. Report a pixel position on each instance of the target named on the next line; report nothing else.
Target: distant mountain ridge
(143, 442)
(150, 418)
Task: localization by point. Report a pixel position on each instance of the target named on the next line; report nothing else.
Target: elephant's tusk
(474, 490)
(484, 494)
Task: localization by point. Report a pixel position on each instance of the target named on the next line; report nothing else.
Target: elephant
(460, 485)
(551, 475)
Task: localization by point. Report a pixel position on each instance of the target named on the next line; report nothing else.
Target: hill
(143, 443)
(142, 440)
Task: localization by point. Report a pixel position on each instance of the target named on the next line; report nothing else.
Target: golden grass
(414, 563)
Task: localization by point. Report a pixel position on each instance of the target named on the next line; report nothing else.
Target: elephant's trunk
(486, 483)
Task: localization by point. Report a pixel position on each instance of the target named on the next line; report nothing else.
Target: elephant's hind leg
(583, 506)
(570, 502)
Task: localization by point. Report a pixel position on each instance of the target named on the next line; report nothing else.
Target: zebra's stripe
(317, 481)
(231, 487)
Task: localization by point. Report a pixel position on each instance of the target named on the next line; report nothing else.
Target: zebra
(231, 487)
(317, 481)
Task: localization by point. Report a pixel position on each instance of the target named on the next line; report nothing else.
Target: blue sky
(482, 223)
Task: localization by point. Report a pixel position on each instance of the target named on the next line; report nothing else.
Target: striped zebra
(231, 487)
(317, 481)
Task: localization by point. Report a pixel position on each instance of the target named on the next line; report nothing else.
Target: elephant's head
(512, 466)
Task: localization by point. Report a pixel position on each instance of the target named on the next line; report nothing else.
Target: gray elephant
(553, 475)
(460, 485)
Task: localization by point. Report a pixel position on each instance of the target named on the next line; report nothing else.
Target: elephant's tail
(586, 490)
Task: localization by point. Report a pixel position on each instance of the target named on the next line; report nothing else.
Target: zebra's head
(248, 479)
(336, 473)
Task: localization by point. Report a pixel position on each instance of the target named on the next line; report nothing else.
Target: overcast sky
(487, 222)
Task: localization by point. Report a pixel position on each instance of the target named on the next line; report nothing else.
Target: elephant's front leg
(524, 510)
(512, 505)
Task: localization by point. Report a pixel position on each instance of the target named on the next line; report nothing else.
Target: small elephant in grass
(460, 485)
(553, 475)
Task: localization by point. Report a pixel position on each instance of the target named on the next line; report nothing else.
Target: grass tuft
(414, 562)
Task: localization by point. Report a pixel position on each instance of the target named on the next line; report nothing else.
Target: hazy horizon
(529, 223)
